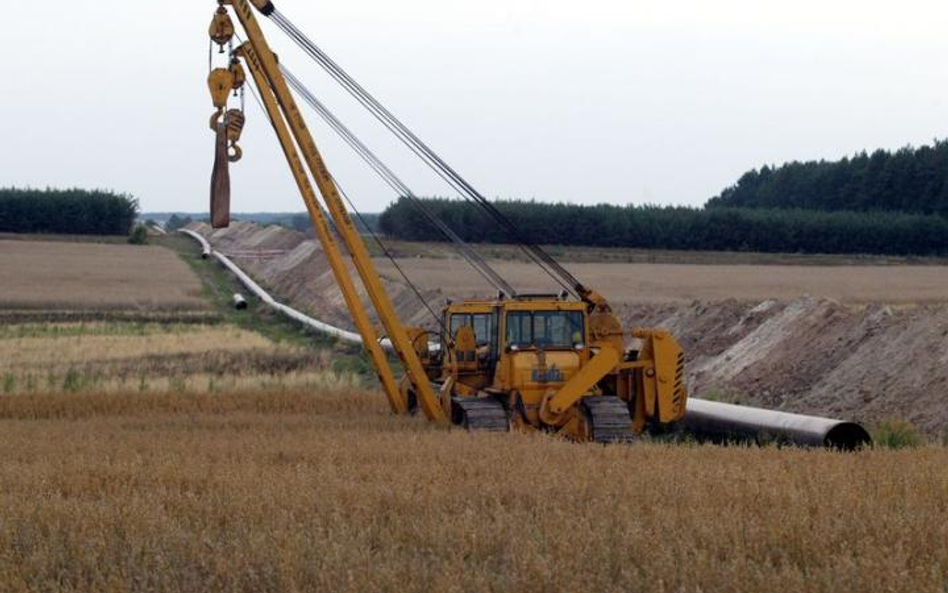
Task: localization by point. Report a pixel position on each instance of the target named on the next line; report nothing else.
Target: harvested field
(94, 276)
(294, 490)
(683, 283)
(149, 357)
(195, 452)
(579, 254)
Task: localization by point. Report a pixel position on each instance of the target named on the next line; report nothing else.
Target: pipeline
(721, 423)
(205, 246)
(264, 296)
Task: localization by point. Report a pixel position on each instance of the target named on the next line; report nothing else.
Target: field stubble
(121, 356)
(296, 490)
(95, 276)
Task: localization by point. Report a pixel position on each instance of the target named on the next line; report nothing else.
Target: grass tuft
(897, 434)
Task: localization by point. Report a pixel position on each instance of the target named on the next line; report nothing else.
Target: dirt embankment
(296, 271)
(868, 362)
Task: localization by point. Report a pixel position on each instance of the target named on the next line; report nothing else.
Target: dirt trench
(868, 363)
(294, 269)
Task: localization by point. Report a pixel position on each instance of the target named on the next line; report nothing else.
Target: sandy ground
(40, 274)
(657, 283)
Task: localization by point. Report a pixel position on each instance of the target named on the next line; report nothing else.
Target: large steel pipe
(720, 422)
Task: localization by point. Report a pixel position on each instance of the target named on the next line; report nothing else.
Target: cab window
(549, 329)
(480, 322)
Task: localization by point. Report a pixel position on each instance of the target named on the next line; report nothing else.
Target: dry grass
(295, 490)
(96, 342)
(69, 275)
(151, 357)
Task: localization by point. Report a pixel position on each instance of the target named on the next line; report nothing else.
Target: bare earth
(662, 283)
(41, 274)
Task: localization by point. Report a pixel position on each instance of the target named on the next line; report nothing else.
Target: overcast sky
(597, 101)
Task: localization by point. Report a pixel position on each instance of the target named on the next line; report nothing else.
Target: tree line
(652, 227)
(72, 211)
(908, 180)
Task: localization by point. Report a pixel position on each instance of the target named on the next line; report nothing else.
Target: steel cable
(365, 225)
(537, 254)
(393, 181)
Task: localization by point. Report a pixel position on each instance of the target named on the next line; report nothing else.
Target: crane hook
(234, 120)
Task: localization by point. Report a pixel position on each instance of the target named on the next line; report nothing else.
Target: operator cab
(549, 330)
(505, 329)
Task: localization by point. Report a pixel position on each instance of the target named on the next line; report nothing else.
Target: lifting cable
(391, 258)
(535, 252)
(393, 181)
(329, 219)
(365, 225)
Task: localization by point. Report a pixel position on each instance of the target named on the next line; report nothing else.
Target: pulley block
(220, 82)
(222, 28)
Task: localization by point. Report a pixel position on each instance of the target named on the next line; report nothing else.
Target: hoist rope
(402, 189)
(365, 225)
(394, 125)
(390, 257)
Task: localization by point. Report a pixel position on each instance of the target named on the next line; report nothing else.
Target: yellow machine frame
(649, 380)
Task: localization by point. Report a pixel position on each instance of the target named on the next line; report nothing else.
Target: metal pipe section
(205, 246)
(263, 295)
(720, 422)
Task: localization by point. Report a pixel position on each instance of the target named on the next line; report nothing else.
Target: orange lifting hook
(234, 120)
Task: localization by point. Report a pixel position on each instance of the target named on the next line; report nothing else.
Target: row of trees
(907, 180)
(73, 211)
(652, 227)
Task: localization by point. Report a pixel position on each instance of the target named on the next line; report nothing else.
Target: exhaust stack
(720, 422)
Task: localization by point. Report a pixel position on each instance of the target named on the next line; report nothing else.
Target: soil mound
(815, 356)
(294, 269)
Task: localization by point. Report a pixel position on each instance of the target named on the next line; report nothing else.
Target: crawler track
(609, 419)
(480, 413)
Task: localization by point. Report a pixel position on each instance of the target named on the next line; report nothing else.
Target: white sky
(598, 101)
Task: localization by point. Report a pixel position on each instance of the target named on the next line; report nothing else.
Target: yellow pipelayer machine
(558, 363)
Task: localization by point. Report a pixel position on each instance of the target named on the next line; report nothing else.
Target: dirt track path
(654, 283)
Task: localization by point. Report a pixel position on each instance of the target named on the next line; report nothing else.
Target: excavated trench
(865, 363)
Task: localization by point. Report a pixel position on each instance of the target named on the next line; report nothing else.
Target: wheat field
(190, 454)
(95, 276)
(302, 490)
(121, 356)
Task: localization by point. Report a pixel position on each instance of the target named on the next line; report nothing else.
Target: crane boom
(273, 80)
(330, 247)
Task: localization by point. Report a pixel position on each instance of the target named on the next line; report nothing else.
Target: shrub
(897, 434)
(139, 235)
(73, 211)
